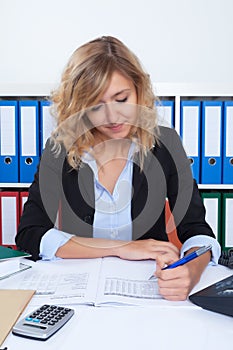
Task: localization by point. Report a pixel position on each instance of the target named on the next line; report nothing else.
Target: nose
(111, 113)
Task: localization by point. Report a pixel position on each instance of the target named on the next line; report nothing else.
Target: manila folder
(12, 304)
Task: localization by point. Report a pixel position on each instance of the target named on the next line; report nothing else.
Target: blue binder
(211, 164)
(227, 161)
(47, 123)
(166, 113)
(28, 140)
(9, 167)
(190, 132)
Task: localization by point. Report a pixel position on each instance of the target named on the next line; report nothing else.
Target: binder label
(9, 220)
(48, 124)
(229, 222)
(7, 130)
(211, 205)
(212, 128)
(28, 131)
(229, 132)
(190, 135)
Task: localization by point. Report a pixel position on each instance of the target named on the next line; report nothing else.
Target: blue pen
(186, 258)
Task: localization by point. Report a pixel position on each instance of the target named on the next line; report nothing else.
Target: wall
(180, 41)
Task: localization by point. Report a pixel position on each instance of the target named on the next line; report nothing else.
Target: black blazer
(59, 188)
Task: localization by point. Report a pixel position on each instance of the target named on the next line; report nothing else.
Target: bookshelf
(202, 91)
(165, 91)
(174, 91)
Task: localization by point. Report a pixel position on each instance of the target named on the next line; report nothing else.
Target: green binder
(227, 221)
(8, 253)
(212, 203)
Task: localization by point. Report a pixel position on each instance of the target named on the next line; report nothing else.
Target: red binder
(9, 218)
(23, 196)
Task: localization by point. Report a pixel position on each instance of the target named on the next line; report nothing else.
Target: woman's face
(115, 113)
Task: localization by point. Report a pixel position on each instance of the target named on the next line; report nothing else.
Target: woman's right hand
(146, 249)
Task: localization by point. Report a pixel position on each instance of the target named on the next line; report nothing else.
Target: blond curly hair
(84, 80)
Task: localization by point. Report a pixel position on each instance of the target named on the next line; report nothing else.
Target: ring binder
(190, 133)
(227, 163)
(28, 139)
(211, 167)
(9, 167)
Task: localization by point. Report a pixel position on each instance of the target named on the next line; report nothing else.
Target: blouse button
(88, 219)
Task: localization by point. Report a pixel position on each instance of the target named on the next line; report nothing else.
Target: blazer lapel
(86, 185)
(139, 177)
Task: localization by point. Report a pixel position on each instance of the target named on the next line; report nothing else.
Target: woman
(107, 170)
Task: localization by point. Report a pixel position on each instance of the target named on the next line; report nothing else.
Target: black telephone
(226, 258)
(219, 296)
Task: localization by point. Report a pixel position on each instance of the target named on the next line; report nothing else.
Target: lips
(115, 127)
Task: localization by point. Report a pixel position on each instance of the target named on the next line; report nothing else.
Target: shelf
(215, 187)
(200, 186)
(14, 185)
(160, 89)
(15, 90)
(197, 90)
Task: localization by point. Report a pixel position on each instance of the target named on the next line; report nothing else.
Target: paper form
(62, 281)
(129, 288)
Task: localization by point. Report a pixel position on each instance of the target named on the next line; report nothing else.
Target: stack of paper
(11, 262)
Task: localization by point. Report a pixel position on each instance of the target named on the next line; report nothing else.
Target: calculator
(43, 322)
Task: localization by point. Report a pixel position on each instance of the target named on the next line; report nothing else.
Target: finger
(175, 286)
(174, 296)
(173, 278)
(165, 246)
(163, 260)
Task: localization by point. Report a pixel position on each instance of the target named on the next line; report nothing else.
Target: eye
(122, 100)
(97, 107)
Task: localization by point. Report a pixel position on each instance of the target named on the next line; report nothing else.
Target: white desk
(160, 327)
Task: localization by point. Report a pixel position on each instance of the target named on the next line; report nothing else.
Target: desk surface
(160, 327)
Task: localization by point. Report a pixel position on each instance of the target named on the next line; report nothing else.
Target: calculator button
(58, 318)
(54, 320)
(40, 317)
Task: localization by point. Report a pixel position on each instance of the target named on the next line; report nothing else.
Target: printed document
(90, 281)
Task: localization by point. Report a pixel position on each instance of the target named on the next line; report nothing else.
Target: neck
(107, 150)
